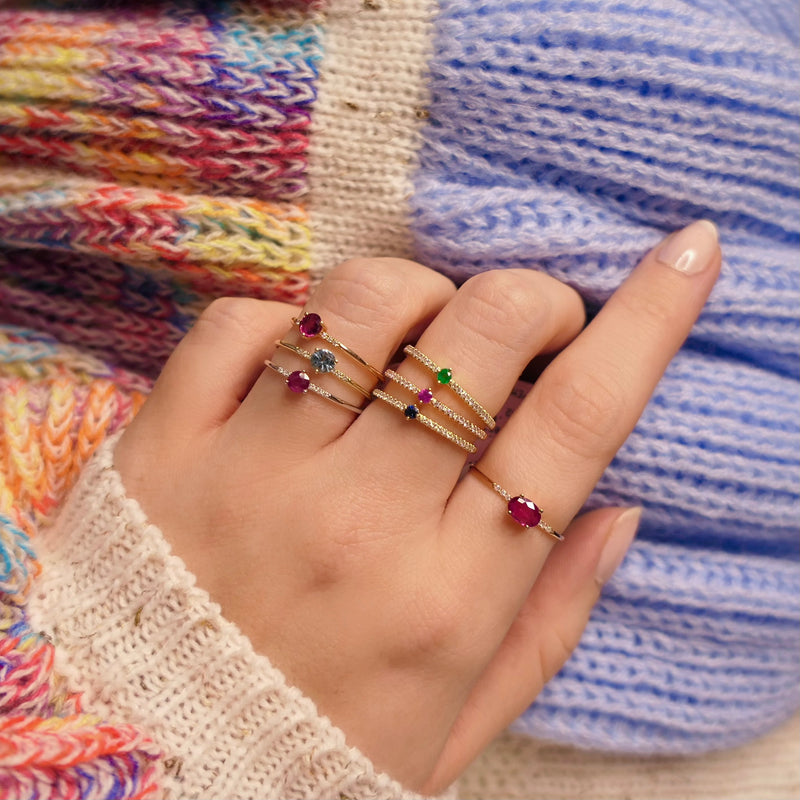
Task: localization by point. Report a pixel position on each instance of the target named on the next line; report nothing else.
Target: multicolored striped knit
(156, 156)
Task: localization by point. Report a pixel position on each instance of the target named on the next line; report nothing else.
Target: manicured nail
(617, 542)
(691, 249)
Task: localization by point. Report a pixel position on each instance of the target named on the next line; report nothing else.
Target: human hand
(402, 600)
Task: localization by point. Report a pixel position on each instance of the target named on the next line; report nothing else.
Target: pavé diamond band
(444, 376)
(299, 383)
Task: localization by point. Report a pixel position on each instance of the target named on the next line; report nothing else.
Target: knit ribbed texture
(518, 768)
(56, 406)
(160, 155)
(154, 156)
(111, 596)
(366, 128)
(569, 137)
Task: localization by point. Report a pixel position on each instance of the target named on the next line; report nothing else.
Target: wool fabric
(155, 157)
(569, 137)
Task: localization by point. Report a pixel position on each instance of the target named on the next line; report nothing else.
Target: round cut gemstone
(323, 360)
(298, 381)
(425, 396)
(524, 512)
(310, 325)
(411, 412)
(444, 375)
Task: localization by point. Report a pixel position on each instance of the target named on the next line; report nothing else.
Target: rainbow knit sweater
(157, 156)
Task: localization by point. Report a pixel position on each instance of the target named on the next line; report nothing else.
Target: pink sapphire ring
(522, 510)
(311, 326)
(299, 383)
(425, 397)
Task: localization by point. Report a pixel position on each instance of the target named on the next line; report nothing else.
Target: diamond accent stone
(411, 412)
(298, 381)
(323, 360)
(524, 512)
(444, 376)
(310, 325)
(425, 395)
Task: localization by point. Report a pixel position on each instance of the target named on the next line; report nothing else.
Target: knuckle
(507, 303)
(652, 311)
(434, 628)
(585, 409)
(230, 317)
(367, 290)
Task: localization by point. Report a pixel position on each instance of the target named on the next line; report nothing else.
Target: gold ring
(324, 361)
(411, 412)
(299, 383)
(444, 375)
(425, 396)
(522, 510)
(311, 326)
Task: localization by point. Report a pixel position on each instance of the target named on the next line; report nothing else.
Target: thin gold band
(426, 421)
(507, 496)
(337, 373)
(323, 334)
(434, 402)
(318, 390)
(485, 416)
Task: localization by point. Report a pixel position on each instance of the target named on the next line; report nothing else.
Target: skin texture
(395, 593)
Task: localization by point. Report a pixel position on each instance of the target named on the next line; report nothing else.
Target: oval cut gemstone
(323, 360)
(444, 375)
(524, 512)
(425, 396)
(310, 325)
(411, 412)
(298, 381)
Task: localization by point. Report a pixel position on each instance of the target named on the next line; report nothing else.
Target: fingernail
(617, 542)
(691, 249)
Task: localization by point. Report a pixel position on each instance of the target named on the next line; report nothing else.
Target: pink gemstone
(298, 381)
(425, 396)
(524, 512)
(310, 325)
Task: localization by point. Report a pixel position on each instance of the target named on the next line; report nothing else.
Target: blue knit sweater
(568, 137)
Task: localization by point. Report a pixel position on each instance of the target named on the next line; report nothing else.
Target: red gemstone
(298, 381)
(425, 396)
(524, 512)
(310, 325)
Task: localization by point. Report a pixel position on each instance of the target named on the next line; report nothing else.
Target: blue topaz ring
(324, 361)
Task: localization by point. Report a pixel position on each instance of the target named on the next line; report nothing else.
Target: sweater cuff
(142, 643)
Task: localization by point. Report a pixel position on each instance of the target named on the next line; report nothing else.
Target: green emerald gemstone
(444, 375)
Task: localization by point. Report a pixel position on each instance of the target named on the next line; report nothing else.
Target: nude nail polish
(691, 249)
(616, 545)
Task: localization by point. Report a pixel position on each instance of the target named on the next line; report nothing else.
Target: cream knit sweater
(143, 643)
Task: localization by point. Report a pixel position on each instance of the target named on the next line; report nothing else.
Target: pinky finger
(543, 635)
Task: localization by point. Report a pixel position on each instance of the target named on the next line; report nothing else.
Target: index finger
(580, 411)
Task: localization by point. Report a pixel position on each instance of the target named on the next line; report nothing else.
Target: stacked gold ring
(324, 361)
(425, 396)
(411, 412)
(311, 326)
(444, 376)
(299, 382)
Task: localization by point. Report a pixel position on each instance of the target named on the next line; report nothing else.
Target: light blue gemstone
(323, 360)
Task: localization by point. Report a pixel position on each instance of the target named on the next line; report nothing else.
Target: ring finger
(485, 336)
